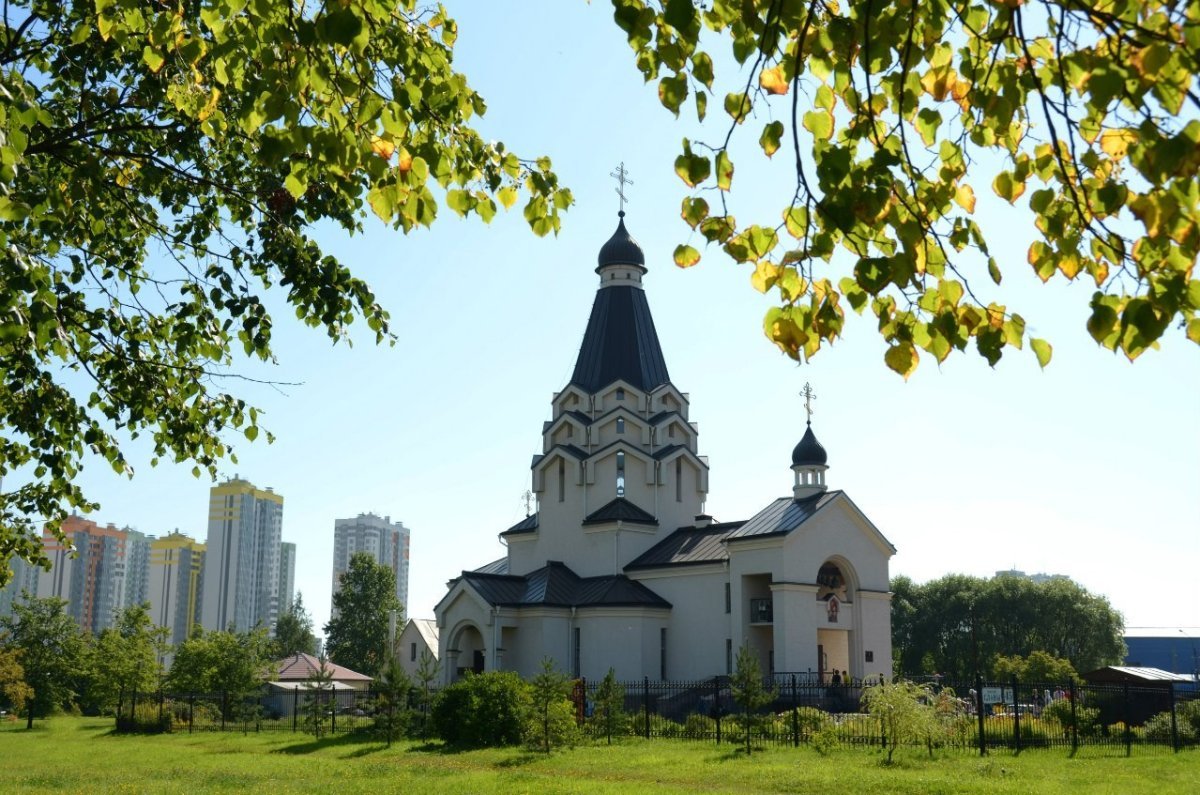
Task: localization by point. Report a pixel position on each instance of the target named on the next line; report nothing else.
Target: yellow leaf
(764, 276)
(382, 147)
(903, 358)
(507, 196)
(1116, 143)
(404, 163)
(965, 196)
(773, 81)
(686, 256)
(1043, 350)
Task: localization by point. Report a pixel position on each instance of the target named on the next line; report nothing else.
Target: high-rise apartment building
(241, 577)
(174, 584)
(287, 575)
(385, 541)
(137, 568)
(24, 580)
(93, 581)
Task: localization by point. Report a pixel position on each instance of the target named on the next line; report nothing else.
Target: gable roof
(1133, 675)
(499, 566)
(687, 546)
(527, 525)
(782, 516)
(621, 510)
(301, 666)
(555, 585)
(620, 343)
(427, 629)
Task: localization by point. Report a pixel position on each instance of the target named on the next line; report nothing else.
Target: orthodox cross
(622, 178)
(809, 396)
(528, 499)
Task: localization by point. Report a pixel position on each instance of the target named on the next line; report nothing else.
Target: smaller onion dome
(621, 249)
(809, 451)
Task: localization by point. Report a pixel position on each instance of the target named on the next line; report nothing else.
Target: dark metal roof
(527, 525)
(1133, 675)
(620, 509)
(495, 567)
(555, 585)
(809, 451)
(620, 343)
(783, 516)
(688, 546)
(621, 248)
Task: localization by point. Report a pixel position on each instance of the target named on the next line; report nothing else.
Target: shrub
(480, 710)
(699, 727)
(810, 719)
(145, 720)
(1086, 717)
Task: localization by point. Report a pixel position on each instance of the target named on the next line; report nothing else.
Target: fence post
(1074, 717)
(979, 714)
(1016, 702)
(795, 716)
(224, 706)
(1174, 725)
(1128, 730)
(295, 706)
(191, 711)
(717, 705)
(333, 713)
(646, 703)
(160, 706)
(133, 705)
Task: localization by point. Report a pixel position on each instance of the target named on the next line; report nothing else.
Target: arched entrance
(466, 652)
(836, 586)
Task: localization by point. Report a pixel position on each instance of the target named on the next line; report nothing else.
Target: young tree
(892, 116)
(125, 658)
(1039, 667)
(903, 709)
(294, 631)
(749, 691)
(13, 689)
(393, 686)
(428, 670)
(51, 649)
(320, 691)
(161, 167)
(609, 707)
(552, 718)
(357, 634)
(234, 663)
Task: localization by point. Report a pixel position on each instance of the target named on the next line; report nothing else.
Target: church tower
(809, 459)
(619, 468)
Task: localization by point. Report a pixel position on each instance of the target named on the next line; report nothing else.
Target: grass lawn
(81, 755)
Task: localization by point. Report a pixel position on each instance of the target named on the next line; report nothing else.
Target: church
(620, 568)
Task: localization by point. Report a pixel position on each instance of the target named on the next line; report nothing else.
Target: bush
(554, 727)
(145, 720)
(810, 719)
(1086, 717)
(480, 710)
(699, 727)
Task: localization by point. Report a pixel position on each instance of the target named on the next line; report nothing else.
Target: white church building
(619, 567)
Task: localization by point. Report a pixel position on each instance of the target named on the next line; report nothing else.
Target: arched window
(620, 474)
(620, 425)
(678, 480)
(562, 480)
(620, 393)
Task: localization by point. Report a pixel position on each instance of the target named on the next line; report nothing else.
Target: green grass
(82, 755)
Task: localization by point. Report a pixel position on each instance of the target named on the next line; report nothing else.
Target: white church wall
(699, 625)
(617, 638)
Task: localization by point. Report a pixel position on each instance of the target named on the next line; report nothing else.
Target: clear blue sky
(1089, 469)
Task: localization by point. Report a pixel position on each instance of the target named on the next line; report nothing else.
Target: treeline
(958, 626)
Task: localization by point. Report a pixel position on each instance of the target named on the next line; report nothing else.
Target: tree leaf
(1042, 349)
(686, 256)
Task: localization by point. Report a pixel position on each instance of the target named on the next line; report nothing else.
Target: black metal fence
(973, 717)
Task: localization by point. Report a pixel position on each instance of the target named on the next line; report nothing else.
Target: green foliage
(393, 687)
(294, 631)
(319, 698)
(14, 692)
(903, 710)
(52, 652)
(608, 708)
(950, 624)
(357, 634)
(552, 718)
(749, 692)
(480, 710)
(145, 719)
(1187, 724)
(161, 167)
(235, 663)
(897, 113)
(124, 659)
(1039, 667)
(1086, 719)
(428, 669)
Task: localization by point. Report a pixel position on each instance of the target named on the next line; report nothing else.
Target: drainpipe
(495, 644)
(570, 642)
(616, 550)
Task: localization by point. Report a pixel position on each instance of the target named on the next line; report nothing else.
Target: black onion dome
(621, 248)
(809, 452)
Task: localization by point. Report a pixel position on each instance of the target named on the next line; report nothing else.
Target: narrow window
(728, 600)
(671, 431)
(662, 653)
(771, 661)
(575, 655)
(562, 480)
(620, 474)
(729, 656)
(412, 652)
(678, 480)
(620, 393)
(620, 425)
(570, 431)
